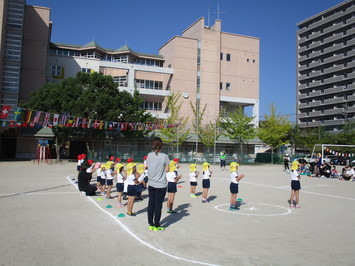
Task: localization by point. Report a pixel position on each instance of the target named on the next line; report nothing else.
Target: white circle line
(125, 228)
(251, 214)
(285, 188)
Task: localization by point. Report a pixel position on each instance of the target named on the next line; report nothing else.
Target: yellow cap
(103, 165)
(294, 165)
(141, 168)
(118, 166)
(192, 167)
(172, 166)
(233, 166)
(205, 166)
(130, 168)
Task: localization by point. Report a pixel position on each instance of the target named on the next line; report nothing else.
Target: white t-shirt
(141, 177)
(193, 177)
(120, 177)
(89, 170)
(206, 174)
(170, 177)
(294, 175)
(130, 179)
(98, 172)
(234, 176)
(350, 172)
(109, 174)
(103, 174)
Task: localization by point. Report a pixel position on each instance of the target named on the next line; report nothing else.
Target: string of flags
(21, 117)
(341, 154)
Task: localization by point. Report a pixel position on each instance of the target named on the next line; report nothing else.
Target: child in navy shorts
(205, 181)
(193, 180)
(234, 187)
(172, 179)
(119, 183)
(295, 184)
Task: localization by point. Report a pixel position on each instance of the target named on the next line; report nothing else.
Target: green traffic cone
(109, 206)
(239, 199)
(99, 199)
(121, 215)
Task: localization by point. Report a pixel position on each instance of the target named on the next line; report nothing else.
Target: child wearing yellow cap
(295, 184)
(109, 178)
(234, 187)
(119, 170)
(206, 175)
(140, 184)
(172, 179)
(132, 180)
(193, 180)
(102, 178)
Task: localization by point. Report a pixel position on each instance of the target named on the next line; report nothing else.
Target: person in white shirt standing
(205, 181)
(234, 187)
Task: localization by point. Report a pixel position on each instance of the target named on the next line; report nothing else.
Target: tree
(198, 118)
(175, 136)
(238, 127)
(274, 130)
(92, 96)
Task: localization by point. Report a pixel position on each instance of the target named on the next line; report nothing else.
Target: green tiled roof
(93, 44)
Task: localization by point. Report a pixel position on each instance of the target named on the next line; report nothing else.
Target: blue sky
(145, 25)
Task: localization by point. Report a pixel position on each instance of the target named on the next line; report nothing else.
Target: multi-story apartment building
(24, 37)
(326, 68)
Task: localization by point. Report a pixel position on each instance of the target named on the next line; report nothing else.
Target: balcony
(333, 69)
(332, 90)
(336, 111)
(334, 100)
(333, 122)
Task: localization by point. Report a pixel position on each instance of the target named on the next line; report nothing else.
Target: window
(56, 71)
(221, 85)
(152, 106)
(221, 56)
(86, 70)
(228, 57)
(228, 86)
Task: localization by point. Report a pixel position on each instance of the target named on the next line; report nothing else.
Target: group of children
(132, 179)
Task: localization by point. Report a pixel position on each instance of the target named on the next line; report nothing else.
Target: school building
(207, 66)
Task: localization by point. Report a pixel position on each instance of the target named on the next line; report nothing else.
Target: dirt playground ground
(46, 221)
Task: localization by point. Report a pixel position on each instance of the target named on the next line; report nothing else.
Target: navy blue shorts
(132, 190)
(109, 182)
(98, 179)
(295, 185)
(194, 184)
(233, 187)
(172, 188)
(206, 183)
(146, 179)
(119, 187)
(103, 182)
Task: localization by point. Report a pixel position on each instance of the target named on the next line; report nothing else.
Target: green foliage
(175, 136)
(238, 126)
(92, 96)
(274, 130)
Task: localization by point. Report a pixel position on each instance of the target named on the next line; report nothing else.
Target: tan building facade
(213, 68)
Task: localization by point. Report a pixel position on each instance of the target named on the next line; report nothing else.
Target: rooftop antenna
(218, 11)
(208, 16)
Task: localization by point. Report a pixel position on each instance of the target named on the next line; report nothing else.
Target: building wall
(36, 36)
(197, 54)
(326, 68)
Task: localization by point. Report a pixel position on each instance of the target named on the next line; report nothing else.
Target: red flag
(5, 111)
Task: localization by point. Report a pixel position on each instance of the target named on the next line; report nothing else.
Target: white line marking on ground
(124, 227)
(288, 188)
(240, 212)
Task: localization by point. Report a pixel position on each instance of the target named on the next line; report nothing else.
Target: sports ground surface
(46, 221)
